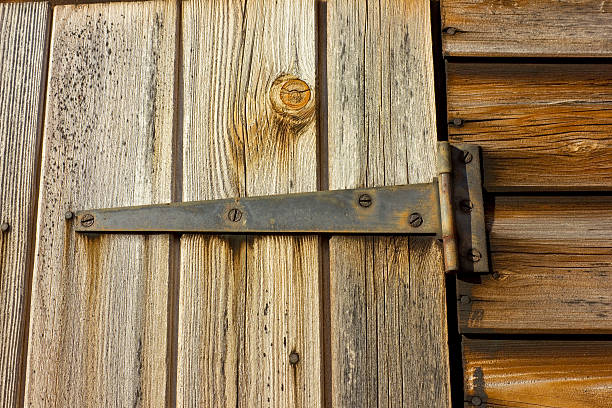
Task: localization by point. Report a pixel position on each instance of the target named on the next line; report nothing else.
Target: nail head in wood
(476, 401)
(294, 358)
(5, 227)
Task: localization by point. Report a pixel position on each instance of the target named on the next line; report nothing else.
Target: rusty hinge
(450, 207)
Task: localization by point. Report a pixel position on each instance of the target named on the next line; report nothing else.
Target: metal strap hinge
(450, 207)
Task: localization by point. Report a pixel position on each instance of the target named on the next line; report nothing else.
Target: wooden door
(125, 103)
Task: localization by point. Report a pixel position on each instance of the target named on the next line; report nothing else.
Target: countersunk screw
(474, 255)
(294, 358)
(458, 122)
(68, 215)
(467, 157)
(234, 215)
(365, 200)
(87, 220)
(466, 206)
(415, 220)
(465, 299)
(450, 30)
(5, 227)
(476, 401)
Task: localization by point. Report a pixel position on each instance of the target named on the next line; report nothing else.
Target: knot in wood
(292, 98)
(295, 93)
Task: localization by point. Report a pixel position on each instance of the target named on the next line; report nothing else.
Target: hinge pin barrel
(447, 214)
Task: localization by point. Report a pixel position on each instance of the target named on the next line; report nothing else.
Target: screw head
(415, 220)
(69, 215)
(450, 30)
(467, 157)
(365, 200)
(234, 215)
(294, 358)
(465, 299)
(87, 220)
(458, 122)
(496, 275)
(476, 401)
(5, 227)
(466, 206)
(474, 255)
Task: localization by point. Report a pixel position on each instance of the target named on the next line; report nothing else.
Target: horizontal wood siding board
(527, 28)
(553, 257)
(541, 126)
(23, 35)
(528, 373)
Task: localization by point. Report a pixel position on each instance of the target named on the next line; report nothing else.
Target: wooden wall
(531, 82)
(112, 103)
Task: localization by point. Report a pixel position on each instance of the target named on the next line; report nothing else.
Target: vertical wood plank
(23, 33)
(249, 129)
(388, 314)
(99, 303)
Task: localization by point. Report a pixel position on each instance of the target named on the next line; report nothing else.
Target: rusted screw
(474, 255)
(450, 30)
(458, 122)
(467, 157)
(465, 299)
(5, 227)
(415, 220)
(466, 206)
(365, 200)
(234, 215)
(87, 220)
(68, 215)
(476, 401)
(294, 358)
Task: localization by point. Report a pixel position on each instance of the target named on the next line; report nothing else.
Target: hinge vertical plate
(469, 208)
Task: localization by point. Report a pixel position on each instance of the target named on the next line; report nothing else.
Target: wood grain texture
(388, 314)
(99, 303)
(541, 126)
(525, 28)
(23, 35)
(249, 129)
(528, 373)
(554, 260)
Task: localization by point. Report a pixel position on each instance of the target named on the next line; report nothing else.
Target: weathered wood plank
(553, 260)
(541, 126)
(388, 321)
(249, 129)
(99, 303)
(546, 28)
(23, 35)
(528, 373)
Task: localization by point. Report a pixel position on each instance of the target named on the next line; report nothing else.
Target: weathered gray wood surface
(249, 129)
(388, 316)
(98, 329)
(23, 36)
